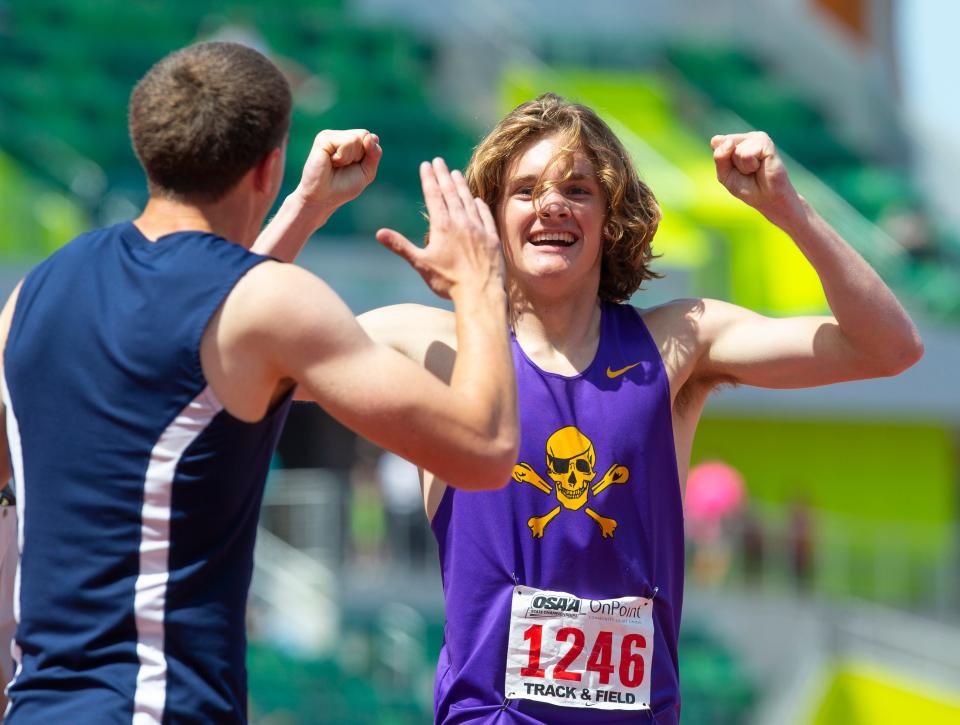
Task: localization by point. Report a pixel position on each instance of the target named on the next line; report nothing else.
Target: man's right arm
(296, 329)
(282, 326)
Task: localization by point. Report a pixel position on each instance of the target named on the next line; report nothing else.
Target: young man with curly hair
(563, 591)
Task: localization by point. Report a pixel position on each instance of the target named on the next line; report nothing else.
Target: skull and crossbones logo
(570, 465)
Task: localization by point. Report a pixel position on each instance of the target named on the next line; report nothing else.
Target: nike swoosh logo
(617, 373)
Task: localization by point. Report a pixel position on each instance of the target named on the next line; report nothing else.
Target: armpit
(693, 393)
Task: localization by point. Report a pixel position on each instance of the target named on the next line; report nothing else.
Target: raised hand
(750, 168)
(339, 167)
(341, 164)
(464, 248)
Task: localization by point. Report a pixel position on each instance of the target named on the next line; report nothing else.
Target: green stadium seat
(75, 61)
(873, 189)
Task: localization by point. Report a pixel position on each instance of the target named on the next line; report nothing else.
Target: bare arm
(283, 324)
(340, 166)
(869, 333)
(426, 335)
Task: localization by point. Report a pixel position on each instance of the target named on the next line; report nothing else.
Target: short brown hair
(632, 210)
(205, 115)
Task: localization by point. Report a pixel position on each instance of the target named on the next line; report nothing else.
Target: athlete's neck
(225, 218)
(559, 335)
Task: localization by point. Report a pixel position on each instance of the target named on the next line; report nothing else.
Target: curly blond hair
(632, 211)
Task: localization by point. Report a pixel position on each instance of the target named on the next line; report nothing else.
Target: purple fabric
(486, 545)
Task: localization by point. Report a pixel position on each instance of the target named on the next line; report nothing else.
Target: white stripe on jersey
(16, 460)
(151, 587)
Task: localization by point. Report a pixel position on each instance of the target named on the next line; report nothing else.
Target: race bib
(580, 652)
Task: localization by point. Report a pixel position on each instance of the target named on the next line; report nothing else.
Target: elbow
(901, 356)
(915, 351)
(504, 461)
(492, 468)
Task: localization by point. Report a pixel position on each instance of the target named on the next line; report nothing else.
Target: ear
(268, 173)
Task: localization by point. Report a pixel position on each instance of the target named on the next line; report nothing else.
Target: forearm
(287, 233)
(483, 371)
(867, 312)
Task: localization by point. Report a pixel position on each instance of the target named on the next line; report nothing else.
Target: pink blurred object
(714, 490)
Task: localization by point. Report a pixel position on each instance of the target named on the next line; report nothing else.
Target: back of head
(632, 212)
(205, 115)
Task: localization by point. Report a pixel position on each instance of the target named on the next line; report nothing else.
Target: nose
(552, 205)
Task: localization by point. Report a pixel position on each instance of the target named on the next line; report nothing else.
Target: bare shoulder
(668, 317)
(276, 321)
(682, 330)
(274, 282)
(675, 325)
(276, 298)
(686, 325)
(426, 335)
(277, 311)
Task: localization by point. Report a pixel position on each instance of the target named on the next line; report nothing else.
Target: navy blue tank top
(574, 571)
(139, 494)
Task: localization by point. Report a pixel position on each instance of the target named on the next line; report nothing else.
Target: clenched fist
(750, 168)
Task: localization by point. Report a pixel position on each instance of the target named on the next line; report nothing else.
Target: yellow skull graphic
(570, 465)
(570, 460)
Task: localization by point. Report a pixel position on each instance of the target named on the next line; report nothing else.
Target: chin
(548, 279)
(550, 269)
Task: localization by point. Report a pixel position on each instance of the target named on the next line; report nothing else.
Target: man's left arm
(869, 333)
(341, 164)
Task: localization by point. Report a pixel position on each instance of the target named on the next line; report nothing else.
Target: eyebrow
(532, 178)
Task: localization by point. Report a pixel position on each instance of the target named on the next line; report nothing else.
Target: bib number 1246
(629, 663)
(580, 652)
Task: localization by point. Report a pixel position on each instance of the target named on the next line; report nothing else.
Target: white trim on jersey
(151, 586)
(16, 460)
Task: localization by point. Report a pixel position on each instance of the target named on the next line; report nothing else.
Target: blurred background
(823, 547)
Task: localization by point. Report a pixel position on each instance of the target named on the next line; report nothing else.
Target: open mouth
(552, 239)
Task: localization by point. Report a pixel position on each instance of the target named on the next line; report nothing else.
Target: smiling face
(552, 241)
(611, 195)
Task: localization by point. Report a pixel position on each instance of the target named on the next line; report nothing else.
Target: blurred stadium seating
(67, 68)
(366, 691)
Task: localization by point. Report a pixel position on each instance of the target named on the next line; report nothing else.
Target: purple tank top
(597, 514)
